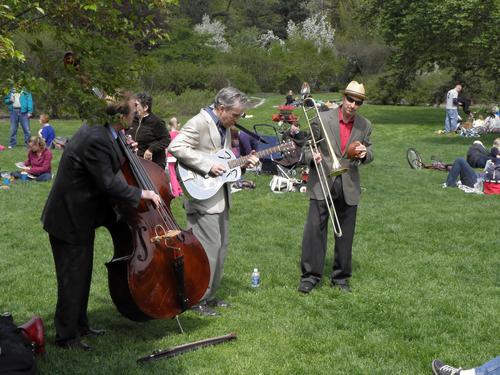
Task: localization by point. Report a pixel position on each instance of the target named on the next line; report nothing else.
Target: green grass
(425, 285)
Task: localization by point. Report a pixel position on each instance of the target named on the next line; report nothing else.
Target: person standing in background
(149, 131)
(20, 104)
(173, 127)
(451, 120)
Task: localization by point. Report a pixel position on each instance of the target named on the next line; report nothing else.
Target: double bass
(158, 270)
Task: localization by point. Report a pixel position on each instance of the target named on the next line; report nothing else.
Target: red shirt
(345, 130)
(39, 164)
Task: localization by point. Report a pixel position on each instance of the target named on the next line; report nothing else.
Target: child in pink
(175, 187)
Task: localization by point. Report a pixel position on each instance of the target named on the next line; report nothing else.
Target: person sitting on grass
(491, 367)
(477, 155)
(47, 132)
(468, 177)
(38, 165)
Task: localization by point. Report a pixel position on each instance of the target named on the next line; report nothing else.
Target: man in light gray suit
(207, 133)
(343, 128)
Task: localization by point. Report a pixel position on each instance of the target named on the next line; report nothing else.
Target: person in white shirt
(451, 120)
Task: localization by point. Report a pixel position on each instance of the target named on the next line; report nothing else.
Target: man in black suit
(78, 203)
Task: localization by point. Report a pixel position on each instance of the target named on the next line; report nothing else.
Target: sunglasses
(350, 99)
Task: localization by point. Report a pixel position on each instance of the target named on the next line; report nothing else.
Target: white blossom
(216, 30)
(315, 28)
(266, 39)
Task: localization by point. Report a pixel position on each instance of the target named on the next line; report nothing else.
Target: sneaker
(10, 147)
(444, 186)
(439, 368)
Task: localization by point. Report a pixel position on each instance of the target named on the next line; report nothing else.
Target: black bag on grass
(16, 352)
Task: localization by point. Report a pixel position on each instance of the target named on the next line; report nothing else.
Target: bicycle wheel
(414, 159)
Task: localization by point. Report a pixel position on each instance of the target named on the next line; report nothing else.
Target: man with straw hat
(349, 136)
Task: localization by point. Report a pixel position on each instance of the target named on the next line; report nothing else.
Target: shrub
(189, 103)
(177, 77)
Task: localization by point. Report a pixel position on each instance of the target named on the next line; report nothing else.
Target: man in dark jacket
(477, 155)
(149, 131)
(78, 203)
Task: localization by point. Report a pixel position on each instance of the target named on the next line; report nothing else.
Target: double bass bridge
(162, 235)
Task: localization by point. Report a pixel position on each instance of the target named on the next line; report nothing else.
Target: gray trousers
(212, 230)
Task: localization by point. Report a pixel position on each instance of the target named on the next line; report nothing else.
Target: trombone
(309, 105)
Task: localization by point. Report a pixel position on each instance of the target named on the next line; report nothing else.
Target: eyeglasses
(350, 99)
(237, 115)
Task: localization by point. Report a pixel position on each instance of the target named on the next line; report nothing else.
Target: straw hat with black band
(355, 89)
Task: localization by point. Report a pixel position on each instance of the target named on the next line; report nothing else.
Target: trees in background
(436, 37)
(106, 38)
(401, 49)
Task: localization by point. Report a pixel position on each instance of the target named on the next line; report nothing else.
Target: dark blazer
(361, 131)
(477, 155)
(151, 133)
(86, 180)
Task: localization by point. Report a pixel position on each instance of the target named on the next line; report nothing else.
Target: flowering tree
(316, 29)
(265, 40)
(215, 30)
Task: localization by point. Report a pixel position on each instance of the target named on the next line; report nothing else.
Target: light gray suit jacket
(361, 131)
(198, 137)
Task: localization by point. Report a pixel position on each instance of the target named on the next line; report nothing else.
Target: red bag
(491, 187)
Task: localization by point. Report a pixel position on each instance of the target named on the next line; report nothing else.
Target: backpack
(16, 352)
(491, 183)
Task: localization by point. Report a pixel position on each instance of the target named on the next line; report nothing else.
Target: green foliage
(176, 76)
(462, 36)
(425, 273)
(183, 106)
(102, 36)
(427, 88)
(223, 74)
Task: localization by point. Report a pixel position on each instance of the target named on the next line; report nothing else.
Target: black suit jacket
(85, 183)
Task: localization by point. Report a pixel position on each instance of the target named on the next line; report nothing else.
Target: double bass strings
(145, 183)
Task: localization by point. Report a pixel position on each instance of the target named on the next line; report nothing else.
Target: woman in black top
(149, 131)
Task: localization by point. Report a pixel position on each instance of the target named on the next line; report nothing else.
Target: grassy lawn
(425, 285)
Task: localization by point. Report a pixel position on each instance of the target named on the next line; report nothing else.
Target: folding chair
(270, 134)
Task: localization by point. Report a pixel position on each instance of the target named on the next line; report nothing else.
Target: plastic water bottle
(255, 278)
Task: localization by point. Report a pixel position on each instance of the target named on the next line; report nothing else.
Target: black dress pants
(74, 273)
(314, 242)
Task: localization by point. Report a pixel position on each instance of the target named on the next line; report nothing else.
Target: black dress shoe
(204, 309)
(344, 287)
(218, 303)
(92, 332)
(74, 344)
(306, 286)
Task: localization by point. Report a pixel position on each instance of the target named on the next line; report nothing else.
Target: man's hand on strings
(216, 170)
(152, 196)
